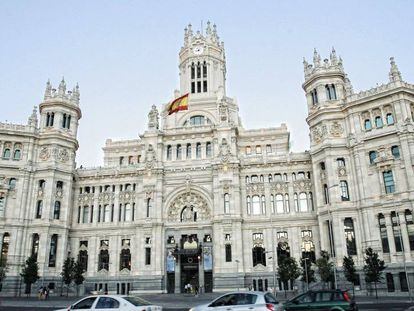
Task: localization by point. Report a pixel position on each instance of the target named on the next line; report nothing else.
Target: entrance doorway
(189, 273)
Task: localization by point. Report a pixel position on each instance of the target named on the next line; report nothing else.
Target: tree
(30, 273)
(325, 268)
(78, 275)
(308, 274)
(350, 271)
(373, 268)
(288, 270)
(3, 270)
(67, 272)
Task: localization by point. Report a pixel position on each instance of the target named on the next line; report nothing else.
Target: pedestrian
(196, 290)
(40, 293)
(46, 292)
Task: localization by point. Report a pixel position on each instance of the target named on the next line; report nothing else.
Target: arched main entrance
(189, 246)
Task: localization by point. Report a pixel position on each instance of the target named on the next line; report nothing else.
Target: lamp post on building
(237, 273)
(331, 242)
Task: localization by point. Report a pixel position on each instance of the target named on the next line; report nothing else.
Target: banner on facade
(170, 263)
(207, 258)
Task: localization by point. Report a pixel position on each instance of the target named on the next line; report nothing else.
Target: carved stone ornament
(341, 172)
(223, 111)
(319, 133)
(302, 185)
(256, 188)
(62, 155)
(153, 120)
(150, 157)
(106, 197)
(44, 153)
(86, 198)
(59, 194)
(126, 196)
(149, 192)
(258, 241)
(225, 152)
(279, 186)
(336, 129)
(188, 207)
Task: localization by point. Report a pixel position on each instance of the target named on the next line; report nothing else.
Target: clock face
(198, 50)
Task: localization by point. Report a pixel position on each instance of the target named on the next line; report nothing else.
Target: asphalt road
(397, 306)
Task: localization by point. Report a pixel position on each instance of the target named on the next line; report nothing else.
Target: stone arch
(188, 206)
(190, 114)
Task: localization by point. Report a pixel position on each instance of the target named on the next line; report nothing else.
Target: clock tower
(202, 63)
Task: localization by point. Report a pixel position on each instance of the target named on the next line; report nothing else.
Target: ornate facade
(199, 199)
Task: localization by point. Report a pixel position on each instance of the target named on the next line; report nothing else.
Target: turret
(325, 81)
(202, 62)
(59, 110)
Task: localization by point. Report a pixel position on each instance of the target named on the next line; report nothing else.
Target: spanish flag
(180, 103)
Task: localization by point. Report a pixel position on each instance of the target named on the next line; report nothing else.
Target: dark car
(322, 300)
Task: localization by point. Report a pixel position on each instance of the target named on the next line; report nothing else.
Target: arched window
(197, 120)
(247, 179)
(42, 184)
(47, 119)
(192, 72)
(149, 207)
(279, 204)
(103, 260)
(17, 152)
(395, 152)
(204, 69)
(344, 190)
(372, 157)
(39, 206)
(130, 160)
(56, 210)
(64, 120)
(6, 151)
(179, 152)
(125, 259)
(83, 259)
(198, 150)
(330, 91)
(259, 256)
(314, 95)
(340, 162)
(121, 160)
(270, 178)
(169, 152)
(35, 245)
(278, 177)
(395, 221)
(208, 150)
(272, 203)
(12, 183)
(226, 203)
(383, 233)
(303, 202)
(287, 203)
(388, 182)
(296, 202)
(198, 70)
(410, 227)
(188, 151)
(283, 249)
(2, 204)
(85, 216)
(256, 205)
(68, 122)
(326, 193)
(367, 124)
(301, 175)
(5, 246)
(293, 176)
(261, 178)
(127, 212)
(390, 119)
(249, 208)
(263, 201)
(378, 121)
(53, 250)
(52, 119)
(311, 201)
(350, 236)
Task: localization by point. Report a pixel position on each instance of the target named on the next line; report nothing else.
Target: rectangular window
(147, 256)
(192, 87)
(258, 149)
(53, 249)
(199, 87)
(388, 182)
(228, 252)
(268, 148)
(248, 150)
(204, 86)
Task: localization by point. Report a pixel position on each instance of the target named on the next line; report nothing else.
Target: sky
(124, 55)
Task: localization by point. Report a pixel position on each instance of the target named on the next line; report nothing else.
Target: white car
(241, 301)
(113, 303)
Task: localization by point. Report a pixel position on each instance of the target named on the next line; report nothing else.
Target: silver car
(241, 301)
(113, 302)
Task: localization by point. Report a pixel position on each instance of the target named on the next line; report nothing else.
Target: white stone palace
(199, 199)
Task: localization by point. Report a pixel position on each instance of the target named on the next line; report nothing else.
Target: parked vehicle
(113, 302)
(240, 301)
(323, 300)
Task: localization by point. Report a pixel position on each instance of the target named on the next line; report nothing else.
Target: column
(390, 236)
(177, 276)
(1, 244)
(404, 235)
(200, 272)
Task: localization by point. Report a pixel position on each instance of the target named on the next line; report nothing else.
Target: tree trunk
(67, 291)
(353, 289)
(376, 293)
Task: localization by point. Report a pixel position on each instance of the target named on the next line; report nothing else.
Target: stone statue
(153, 118)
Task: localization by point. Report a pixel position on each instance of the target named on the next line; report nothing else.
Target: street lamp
(237, 273)
(273, 269)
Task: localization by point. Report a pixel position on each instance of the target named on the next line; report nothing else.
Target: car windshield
(136, 301)
(269, 298)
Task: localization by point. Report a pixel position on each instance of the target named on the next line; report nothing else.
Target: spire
(395, 74)
(333, 57)
(316, 58)
(208, 29)
(62, 87)
(305, 65)
(75, 94)
(48, 91)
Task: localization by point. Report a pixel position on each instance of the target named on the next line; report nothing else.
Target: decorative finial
(305, 64)
(62, 87)
(48, 91)
(395, 74)
(316, 58)
(75, 94)
(333, 57)
(208, 29)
